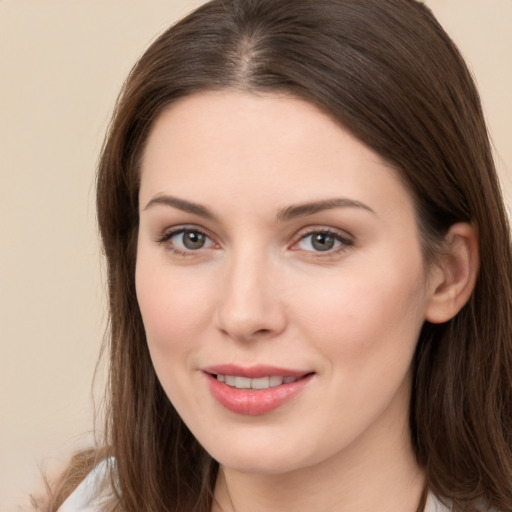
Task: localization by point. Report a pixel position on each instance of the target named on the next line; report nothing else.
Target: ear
(453, 277)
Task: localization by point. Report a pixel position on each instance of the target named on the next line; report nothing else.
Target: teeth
(259, 383)
(275, 381)
(242, 383)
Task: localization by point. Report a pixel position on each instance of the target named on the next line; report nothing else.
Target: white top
(87, 498)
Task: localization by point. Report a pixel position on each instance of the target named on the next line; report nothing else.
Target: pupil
(193, 240)
(322, 242)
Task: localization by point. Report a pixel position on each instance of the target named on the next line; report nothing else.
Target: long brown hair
(387, 71)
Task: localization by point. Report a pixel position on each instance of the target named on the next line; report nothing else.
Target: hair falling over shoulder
(387, 71)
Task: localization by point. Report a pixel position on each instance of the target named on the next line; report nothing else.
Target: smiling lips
(256, 390)
(259, 383)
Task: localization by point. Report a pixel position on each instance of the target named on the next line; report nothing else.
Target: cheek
(175, 307)
(366, 329)
(365, 315)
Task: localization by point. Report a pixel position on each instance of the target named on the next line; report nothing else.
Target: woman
(309, 270)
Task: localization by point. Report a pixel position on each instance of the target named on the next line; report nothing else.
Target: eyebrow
(285, 214)
(181, 204)
(304, 209)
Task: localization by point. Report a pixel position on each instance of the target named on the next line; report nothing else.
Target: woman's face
(280, 280)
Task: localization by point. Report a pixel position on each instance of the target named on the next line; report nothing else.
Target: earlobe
(454, 276)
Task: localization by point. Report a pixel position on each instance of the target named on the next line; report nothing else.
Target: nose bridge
(249, 304)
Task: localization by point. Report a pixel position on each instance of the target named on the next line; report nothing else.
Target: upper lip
(254, 372)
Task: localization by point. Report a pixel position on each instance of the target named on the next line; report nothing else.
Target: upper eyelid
(175, 230)
(309, 230)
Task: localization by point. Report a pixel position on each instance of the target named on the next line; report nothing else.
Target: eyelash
(344, 242)
(167, 236)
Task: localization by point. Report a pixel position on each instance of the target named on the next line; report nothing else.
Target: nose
(250, 305)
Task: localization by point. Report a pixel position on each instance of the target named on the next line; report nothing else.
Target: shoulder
(92, 492)
(434, 504)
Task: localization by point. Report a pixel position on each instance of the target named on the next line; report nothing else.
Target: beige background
(62, 63)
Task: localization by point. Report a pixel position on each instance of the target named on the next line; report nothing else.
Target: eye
(322, 241)
(183, 241)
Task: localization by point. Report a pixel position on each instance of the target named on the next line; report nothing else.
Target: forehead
(219, 145)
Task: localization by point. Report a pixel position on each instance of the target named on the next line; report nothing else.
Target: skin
(260, 292)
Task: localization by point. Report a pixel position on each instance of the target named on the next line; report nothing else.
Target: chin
(258, 464)
(269, 454)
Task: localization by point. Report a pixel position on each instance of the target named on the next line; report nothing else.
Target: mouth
(255, 390)
(257, 383)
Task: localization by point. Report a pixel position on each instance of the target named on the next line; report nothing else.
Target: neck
(377, 472)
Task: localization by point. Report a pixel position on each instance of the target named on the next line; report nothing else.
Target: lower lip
(254, 402)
